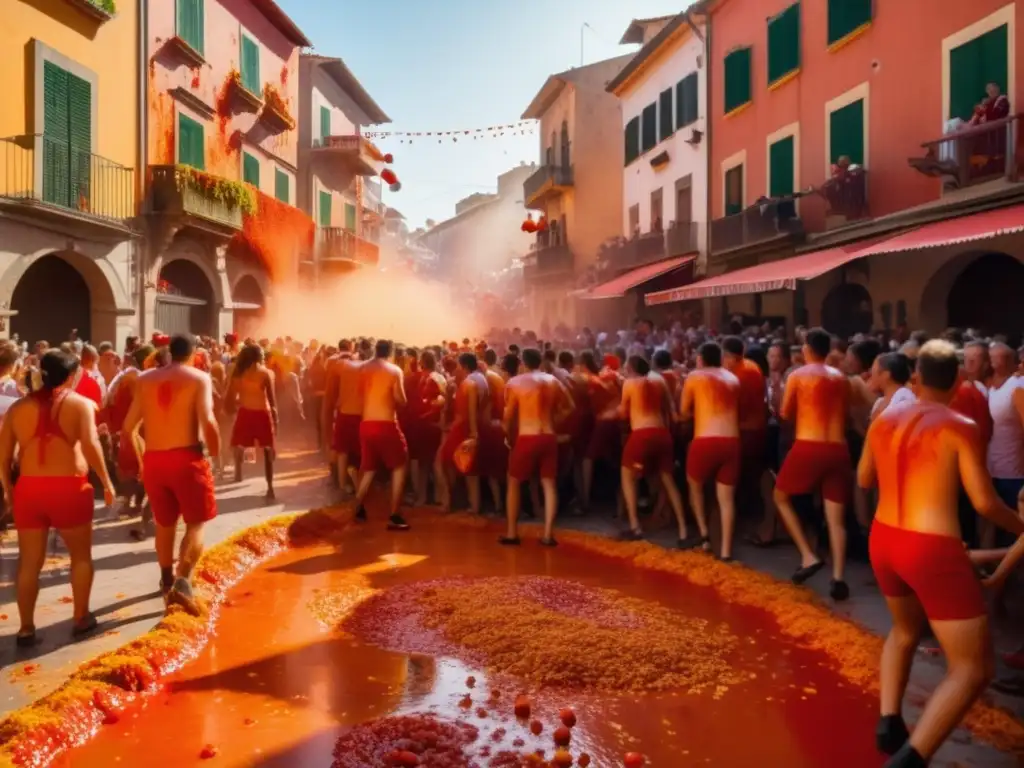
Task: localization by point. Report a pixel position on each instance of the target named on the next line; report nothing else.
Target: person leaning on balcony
(995, 106)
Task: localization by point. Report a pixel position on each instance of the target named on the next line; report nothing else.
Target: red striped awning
(966, 229)
(618, 286)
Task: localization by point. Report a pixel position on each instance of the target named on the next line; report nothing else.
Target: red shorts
(42, 502)
(494, 455)
(534, 454)
(754, 443)
(345, 439)
(934, 568)
(564, 451)
(381, 445)
(605, 441)
(649, 449)
(583, 431)
(813, 463)
(253, 428)
(457, 435)
(127, 459)
(179, 483)
(424, 440)
(714, 458)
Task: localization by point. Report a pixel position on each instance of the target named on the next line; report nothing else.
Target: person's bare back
(46, 456)
(817, 398)
(533, 398)
(382, 390)
(711, 396)
(645, 401)
(347, 371)
(254, 388)
(170, 401)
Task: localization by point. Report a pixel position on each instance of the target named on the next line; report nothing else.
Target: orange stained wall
(230, 129)
(899, 57)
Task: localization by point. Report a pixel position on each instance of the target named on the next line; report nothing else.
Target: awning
(966, 229)
(618, 286)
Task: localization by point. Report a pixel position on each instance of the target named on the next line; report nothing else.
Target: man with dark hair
(890, 376)
(919, 454)
(426, 420)
(470, 398)
(342, 413)
(753, 406)
(817, 399)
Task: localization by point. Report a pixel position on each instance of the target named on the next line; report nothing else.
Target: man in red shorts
(381, 442)
(920, 453)
(471, 398)
(711, 397)
(753, 419)
(174, 404)
(343, 411)
(817, 399)
(534, 401)
(649, 447)
(426, 423)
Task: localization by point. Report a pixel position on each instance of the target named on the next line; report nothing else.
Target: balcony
(972, 155)
(622, 254)
(354, 153)
(681, 238)
(48, 178)
(200, 200)
(846, 197)
(759, 224)
(336, 244)
(547, 182)
(547, 262)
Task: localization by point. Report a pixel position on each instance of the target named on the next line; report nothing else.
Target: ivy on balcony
(275, 109)
(233, 194)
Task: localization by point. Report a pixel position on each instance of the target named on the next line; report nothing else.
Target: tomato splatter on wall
(161, 122)
(223, 147)
(276, 236)
(284, 75)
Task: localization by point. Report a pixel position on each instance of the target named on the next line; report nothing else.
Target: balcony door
(684, 201)
(657, 210)
(67, 137)
(634, 220)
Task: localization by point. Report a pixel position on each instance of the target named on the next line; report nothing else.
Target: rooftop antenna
(584, 26)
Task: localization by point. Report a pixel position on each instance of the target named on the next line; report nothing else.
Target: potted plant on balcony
(232, 194)
(275, 111)
(240, 95)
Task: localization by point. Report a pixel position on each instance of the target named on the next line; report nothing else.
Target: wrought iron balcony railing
(339, 244)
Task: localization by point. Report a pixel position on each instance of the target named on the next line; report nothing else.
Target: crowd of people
(903, 448)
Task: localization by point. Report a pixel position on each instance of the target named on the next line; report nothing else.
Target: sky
(440, 65)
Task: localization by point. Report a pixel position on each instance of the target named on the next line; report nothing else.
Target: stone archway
(250, 306)
(974, 289)
(186, 299)
(847, 310)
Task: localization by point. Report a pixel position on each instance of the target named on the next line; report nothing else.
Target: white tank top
(1006, 449)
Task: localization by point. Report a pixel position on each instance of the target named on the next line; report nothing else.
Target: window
(281, 186)
(784, 44)
(846, 17)
(67, 136)
(782, 165)
(350, 217)
(325, 123)
(649, 128)
(634, 220)
(734, 190)
(737, 79)
(250, 169)
(191, 142)
(632, 140)
(657, 209)
(846, 133)
(190, 23)
(250, 58)
(974, 65)
(684, 200)
(325, 209)
(666, 120)
(686, 101)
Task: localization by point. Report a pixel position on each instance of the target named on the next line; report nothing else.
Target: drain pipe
(142, 248)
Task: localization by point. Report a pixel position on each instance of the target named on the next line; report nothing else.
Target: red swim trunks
(381, 446)
(61, 502)
(253, 428)
(179, 483)
(605, 441)
(813, 463)
(754, 443)
(649, 449)
(345, 439)
(534, 454)
(714, 458)
(127, 459)
(934, 568)
(458, 434)
(424, 440)
(494, 455)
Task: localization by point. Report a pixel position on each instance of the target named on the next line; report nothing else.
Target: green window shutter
(649, 127)
(846, 129)
(846, 17)
(80, 141)
(325, 122)
(737, 79)
(974, 65)
(250, 56)
(632, 140)
(734, 190)
(190, 20)
(784, 43)
(250, 169)
(782, 156)
(56, 135)
(666, 124)
(281, 186)
(191, 143)
(350, 217)
(686, 101)
(325, 209)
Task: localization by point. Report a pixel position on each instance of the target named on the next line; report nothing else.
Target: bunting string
(520, 128)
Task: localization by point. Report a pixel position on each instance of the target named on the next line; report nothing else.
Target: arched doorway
(185, 301)
(52, 298)
(250, 306)
(986, 295)
(847, 309)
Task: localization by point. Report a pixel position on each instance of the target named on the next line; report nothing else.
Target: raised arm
(205, 419)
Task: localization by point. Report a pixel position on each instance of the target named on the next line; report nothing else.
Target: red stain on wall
(161, 122)
(284, 75)
(224, 144)
(276, 236)
(195, 78)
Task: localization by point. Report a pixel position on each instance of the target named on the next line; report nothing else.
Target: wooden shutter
(281, 190)
(666, 124)
(350, 217)
(686, 101)
(847, 16)
(782, 156)
(632, 140)
(649, 127)
(325, 123)
(325, 209)
(80, 141)
(190, 19)
(846, 133)
(737, 79)
(734, 190)
(56, 135)
(974, 65)
(191, 144)
(251, 169)
(784, 43)
(250, 65)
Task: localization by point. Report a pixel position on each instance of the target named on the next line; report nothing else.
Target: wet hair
(937, 365)
(732, 345)
(897, 365)
(428, 361)
(639, 365)
(468, 361)
(550, 356)
(141, 354)
(819, 341)
(490, 356)
(710, 354)
(382, 349)
(181, 347)
(756, 354)
(662, 360)
(532, 358)
(510, 364)
(248, 356)
(589, 361)
(56, 368)
(566, 359)
(866, 351)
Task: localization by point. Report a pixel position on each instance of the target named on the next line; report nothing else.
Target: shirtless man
(343, 411)
(381, 442)
(252, 397)
(495, 454)
(920, 453)
(470, 401)
(646, 404)
(426, 423)
(54, 430)
(753, 418)
(118, 404)
(604, 392)
(711, 398)
(534, 401)
(174, 404)
(817, 400)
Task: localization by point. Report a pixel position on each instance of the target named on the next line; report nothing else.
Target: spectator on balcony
(995, 106)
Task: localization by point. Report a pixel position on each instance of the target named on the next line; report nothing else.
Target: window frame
(198, 45)
(748, 53)
(632, 125)
(860, 92)
(729, 164)
(778, 79)
(849, 35)
(182, 116)
(791, 131)
(243, 38)
(681, 102)
(282, 177)
(246, 157)
(651, 110)
(325, 194)
(1004, 16)
(668, 113)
